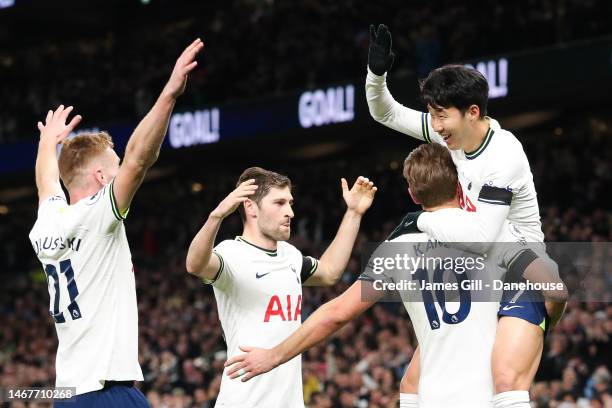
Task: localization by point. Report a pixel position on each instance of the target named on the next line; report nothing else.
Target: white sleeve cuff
(372, 77)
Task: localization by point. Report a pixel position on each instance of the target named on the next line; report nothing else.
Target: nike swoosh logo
(506, 308)
(257, 275)
(406, 224)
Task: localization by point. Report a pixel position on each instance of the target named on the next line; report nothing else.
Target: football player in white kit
(455, 346)
(84, 250)
(496, 185)
(257, 277)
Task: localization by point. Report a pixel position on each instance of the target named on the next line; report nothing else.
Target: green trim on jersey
(221, 266)
(306, 274)
(514, 258)
(425, 128)
(315, 266)
(114, 206)
(266, 251)
(482, 147)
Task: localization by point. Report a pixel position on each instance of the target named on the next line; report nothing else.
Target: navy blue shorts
(524, 305)
(114, 394)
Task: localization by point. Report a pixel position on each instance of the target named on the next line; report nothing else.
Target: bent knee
(506, 379)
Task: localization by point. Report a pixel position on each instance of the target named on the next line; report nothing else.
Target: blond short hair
(78, 151)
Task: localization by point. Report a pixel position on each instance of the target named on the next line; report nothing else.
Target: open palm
(359, 198)
(55, 129)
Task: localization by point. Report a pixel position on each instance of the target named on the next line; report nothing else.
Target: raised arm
(383, 108)
(143, 147)
(335, 258)
(325, 321)
(52, 133)
(200, 261)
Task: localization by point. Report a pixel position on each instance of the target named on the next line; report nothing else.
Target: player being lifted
(83, 246)
(496, 185)
(455, 358)
(257, 277)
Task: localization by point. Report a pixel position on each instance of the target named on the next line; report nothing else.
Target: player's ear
(458, 190)
(250, 208)
(473, 112)
(416, 201)
(101, 178)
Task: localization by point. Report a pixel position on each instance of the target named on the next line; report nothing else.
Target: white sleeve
(482, 226)
(224, 275)
(51, 204)
(387, 111)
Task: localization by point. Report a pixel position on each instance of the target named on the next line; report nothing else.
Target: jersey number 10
(465, 301)
(73, 291)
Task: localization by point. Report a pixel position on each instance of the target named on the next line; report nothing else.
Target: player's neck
(77, 194)
(255, 237)
(477, 135)
(450, 204)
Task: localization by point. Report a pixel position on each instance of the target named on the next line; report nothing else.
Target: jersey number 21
(73, 308)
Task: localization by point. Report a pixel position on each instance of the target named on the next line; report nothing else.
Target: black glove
(408, 224)
(380, 56)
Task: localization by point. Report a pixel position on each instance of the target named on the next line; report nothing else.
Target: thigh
(518, 349)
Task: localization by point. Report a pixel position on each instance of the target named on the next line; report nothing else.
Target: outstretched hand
(380, 55)
(184, 65)
(256, 361)
(360, 197)
(55, 130)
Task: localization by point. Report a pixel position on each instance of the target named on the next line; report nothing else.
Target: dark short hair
(456, 86)
(431, 174)
(265, 180)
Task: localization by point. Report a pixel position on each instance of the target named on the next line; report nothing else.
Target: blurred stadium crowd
(181, 345)
(113, 73)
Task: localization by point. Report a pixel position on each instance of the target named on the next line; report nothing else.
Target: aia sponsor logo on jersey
(464, 200)
(285, 308)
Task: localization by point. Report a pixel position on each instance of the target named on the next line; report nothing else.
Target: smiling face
(456, 97)
(274, 213)
(455, 127)
(451, 124)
